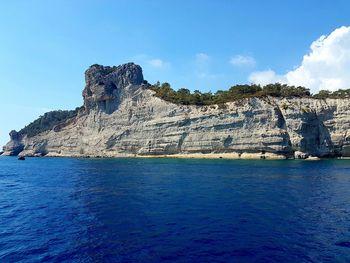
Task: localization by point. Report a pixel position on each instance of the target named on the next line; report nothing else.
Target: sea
(174, 210)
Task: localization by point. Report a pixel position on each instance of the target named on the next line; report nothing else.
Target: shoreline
(212, 156)
(229, 156)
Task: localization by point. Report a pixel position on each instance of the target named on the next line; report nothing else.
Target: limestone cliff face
(124, 118)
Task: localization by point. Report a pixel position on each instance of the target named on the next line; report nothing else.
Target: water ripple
(152, 210)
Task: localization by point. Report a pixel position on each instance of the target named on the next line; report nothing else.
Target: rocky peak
(15, 146)
(14, 135)
(106, 86)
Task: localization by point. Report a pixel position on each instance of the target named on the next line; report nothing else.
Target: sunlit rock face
(318, 127)
(122, 117)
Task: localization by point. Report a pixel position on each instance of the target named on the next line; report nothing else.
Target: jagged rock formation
(122, 117)
(15, 145)
(106, 87)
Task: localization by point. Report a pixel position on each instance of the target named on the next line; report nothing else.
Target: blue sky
(45, 46)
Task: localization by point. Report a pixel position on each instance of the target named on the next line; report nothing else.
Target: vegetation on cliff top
(185, 97)
(105, 70)
(338, 94)
(48, 121)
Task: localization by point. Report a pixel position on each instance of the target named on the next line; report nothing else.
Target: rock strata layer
(122, 117)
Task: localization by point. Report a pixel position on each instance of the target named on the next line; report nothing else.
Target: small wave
(343, 244)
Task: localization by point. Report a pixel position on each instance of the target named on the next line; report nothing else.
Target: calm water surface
(169, 210)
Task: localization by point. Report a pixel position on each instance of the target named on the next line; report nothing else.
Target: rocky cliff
(122, 117)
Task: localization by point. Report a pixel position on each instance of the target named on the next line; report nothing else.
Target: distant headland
(125, 116)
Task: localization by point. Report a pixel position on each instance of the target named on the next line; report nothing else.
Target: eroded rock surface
(124, 118)
(107, 86)
(15, 145)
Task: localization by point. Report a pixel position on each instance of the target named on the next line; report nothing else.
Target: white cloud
(202, 58)
(202, 65)
(265, 77)
(243, 61)
(202, 75)
(326, 66)
(146, 60)
(157, 63)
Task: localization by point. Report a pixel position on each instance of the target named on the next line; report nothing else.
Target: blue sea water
(174, 210)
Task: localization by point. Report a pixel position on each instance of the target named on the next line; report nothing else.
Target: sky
(45, 47)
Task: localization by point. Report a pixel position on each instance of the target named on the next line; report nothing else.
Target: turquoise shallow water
(174, 210)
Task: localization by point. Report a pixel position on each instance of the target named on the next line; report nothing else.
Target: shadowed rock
(15, 145)
(107, 86)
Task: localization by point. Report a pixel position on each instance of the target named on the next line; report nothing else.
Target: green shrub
(341, 93)
(284, 106)
(48, 121)
(237, 92)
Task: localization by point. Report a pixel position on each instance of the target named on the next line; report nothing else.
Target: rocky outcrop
(15, 145)
(107, 86)
(122, 117)
(318, 127)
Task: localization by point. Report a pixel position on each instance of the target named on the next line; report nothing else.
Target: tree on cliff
(48, 121)
(185, 97)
